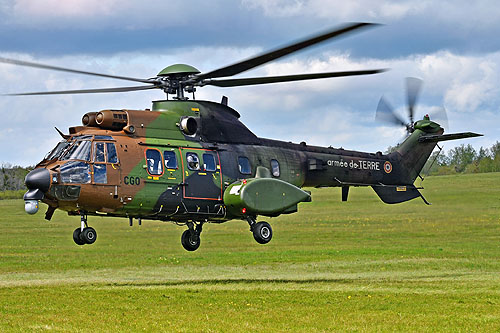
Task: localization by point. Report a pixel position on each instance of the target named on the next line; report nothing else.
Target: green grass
(359, 265)
(9, 194)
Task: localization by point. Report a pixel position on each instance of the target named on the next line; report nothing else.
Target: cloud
(337, 112)
(276, 8)
(69, 9)
(340, 10)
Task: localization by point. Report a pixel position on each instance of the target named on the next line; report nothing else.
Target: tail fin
(412, 155)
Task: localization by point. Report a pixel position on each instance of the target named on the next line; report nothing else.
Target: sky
(451, 45)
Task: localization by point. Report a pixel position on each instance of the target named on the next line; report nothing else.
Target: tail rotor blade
(385, 113)
(439, 116)
(413, 86)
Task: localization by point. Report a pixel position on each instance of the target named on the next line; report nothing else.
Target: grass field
(360, 265)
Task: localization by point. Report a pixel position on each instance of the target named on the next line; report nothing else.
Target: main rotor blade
(84, 91)
(386, 113)
(62, 69)
(278, 53)
(413, 86)
(285, 78)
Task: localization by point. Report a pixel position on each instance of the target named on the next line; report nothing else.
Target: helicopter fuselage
(175, 163)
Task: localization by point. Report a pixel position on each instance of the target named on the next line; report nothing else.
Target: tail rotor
(386, 113)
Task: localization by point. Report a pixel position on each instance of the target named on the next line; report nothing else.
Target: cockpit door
(106, 167)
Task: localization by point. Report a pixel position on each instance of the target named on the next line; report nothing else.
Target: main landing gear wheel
(76, 237)
(262, 232)
(84, 234)
(190, 242)
(89, 235)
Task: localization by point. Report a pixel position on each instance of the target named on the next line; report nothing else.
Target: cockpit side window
(111, 150)
(80, 150)
(99, 152)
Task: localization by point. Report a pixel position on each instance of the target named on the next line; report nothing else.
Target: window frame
(107, 153)
(73, 164)
(98, 166)
(187, 162)
(94, 151)
(214, 160)
(272, 168)
(249, 165)
(161, 160)
(69, 150)
(165, 160)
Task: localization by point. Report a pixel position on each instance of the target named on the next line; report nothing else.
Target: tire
(76, 237)
(190, 243)
(89, 235)
(262, 232)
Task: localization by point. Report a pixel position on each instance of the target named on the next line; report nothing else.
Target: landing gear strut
(262, 231)
(84, 234)
(190, 238)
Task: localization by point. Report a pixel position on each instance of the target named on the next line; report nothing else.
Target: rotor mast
(173, 79)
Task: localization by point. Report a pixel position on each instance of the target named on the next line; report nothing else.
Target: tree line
(12, 181)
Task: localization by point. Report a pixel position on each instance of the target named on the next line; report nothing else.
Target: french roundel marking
(387, 167)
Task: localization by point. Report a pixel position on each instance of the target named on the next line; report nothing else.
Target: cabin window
(193, 161)
(75, 172)
(100, 174)
(275, 168)
(99, 152)
(80, 150)
(111, 150)
(154, 162)
(209, 162)
(170, 159)
(244, 165)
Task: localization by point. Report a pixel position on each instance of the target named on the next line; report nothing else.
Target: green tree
(495, 150)
(462, 156)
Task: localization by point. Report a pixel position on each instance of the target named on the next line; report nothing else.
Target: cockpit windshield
(57, 151)
(80, 150)
(75, 172)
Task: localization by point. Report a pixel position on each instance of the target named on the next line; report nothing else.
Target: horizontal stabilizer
(396, 194)
(446, 137)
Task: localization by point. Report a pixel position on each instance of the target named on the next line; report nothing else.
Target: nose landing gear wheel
(190, 241)
(262, 232)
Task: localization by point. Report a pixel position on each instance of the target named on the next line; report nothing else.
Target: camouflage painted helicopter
(193, 162)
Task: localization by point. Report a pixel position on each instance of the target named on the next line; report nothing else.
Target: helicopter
(193, 162)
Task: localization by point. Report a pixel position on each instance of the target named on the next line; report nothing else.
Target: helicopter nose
(37, 182)
(38, 179)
